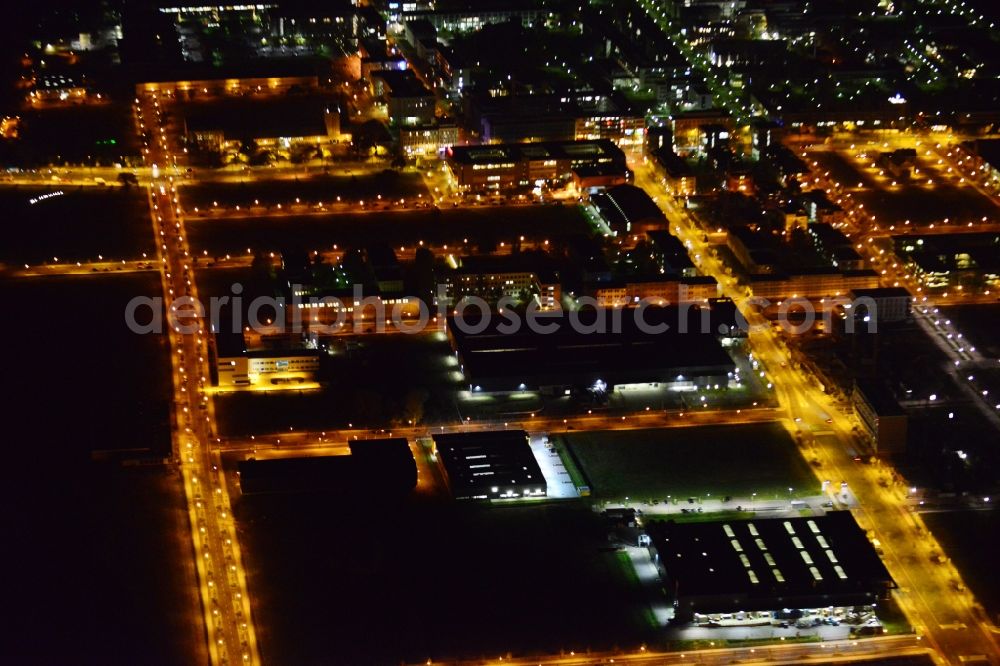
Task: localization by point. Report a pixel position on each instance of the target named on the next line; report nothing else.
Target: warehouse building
(627, 209)
(498, 464)
(768, 564)
(602, 348)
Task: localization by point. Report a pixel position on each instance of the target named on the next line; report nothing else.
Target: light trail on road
(225, 600)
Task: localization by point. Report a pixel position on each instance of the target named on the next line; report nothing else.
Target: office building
(509, 166)
(883, 419)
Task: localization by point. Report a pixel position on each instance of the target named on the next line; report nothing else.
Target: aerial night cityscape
(511, 332)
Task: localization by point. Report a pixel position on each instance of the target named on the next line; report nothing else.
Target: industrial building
(601, 348)
(375, 468)
(627, 209)
(813, 284)
(767, 564)
(279, 122)
(498, 464)
(508, 166)
(658, 290)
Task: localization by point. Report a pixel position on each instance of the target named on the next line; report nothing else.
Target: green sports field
(732, 460)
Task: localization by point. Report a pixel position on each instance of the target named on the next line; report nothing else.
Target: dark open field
(317, 232)
(335, 583)
(88, 134)
(78, 225)
(971, 539)
(978, 323)
(101, 569)
(693, 461)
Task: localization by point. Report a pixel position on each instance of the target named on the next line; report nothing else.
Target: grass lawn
(691, 462)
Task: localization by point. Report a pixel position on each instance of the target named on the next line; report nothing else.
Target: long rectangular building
(575, 353)
(513, 165)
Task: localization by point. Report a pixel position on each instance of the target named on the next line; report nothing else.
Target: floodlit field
(692, 462)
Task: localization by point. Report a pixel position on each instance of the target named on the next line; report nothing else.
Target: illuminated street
(224, 594)
(523, 332)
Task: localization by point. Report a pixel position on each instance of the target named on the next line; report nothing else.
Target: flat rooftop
(578, 151)
(260, 68)
(383, 467)
(573, 355)
(249, 117)
(798, 562)
(402, 83)
(948, 252)
(624, 205)
(485, 464)
(879, 396)
(882, 292)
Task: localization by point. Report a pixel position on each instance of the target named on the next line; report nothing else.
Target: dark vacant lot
(486, 226)
(310, 190)
(692, 462)
(928, 205)
(978, 323)
(91, 134)
(100, 562)
(339, 584)
(971, 539)
(78, 225)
